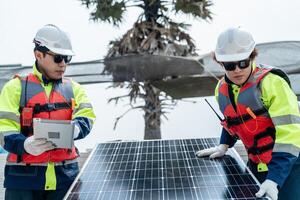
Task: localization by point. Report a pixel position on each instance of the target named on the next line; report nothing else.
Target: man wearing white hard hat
(35, 168)
(261, 110)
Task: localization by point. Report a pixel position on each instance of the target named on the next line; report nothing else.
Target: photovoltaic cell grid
(161, 170)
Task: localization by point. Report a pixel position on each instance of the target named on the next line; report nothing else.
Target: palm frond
(109, 11)
(196, 8)
(154, 38)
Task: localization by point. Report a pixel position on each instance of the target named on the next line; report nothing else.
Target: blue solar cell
(162, 170)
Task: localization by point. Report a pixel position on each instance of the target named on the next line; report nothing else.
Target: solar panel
(162, 170)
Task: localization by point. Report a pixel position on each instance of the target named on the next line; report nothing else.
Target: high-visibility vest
(57, 107)
(249, 120)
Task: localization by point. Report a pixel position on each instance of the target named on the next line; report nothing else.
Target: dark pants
(12, 194)
(291, 187)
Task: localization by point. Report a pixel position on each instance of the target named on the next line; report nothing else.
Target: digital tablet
(60, 132)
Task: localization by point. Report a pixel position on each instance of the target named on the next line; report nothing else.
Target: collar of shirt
(41, 77)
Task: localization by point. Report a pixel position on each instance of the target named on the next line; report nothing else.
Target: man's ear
(38, 55)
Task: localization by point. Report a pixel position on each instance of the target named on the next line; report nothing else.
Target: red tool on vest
(27, 114)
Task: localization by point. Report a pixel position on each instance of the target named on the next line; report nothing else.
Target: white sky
(268, 20)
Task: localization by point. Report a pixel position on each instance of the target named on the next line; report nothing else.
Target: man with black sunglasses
(260, 108)
(35, 168)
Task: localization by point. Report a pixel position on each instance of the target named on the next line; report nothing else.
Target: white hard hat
(234, 44)
(55, 39)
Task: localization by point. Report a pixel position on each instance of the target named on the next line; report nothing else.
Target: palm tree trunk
(152, 113)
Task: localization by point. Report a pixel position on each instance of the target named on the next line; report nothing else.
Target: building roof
(82, 72)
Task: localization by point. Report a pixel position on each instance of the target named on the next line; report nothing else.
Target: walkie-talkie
(27, 114)
(224, 123)
(214, 110)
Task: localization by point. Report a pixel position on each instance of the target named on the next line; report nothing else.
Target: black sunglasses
(59, 58)
(231, 66)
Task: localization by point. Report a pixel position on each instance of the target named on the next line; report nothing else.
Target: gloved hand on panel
(268, 188)
(213, 152)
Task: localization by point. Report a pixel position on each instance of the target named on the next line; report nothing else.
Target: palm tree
(154, 33)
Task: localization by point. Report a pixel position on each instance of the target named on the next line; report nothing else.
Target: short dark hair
(253, 54)
(40, 48)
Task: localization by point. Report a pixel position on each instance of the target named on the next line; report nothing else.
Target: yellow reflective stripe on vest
(82, 106)
(9, 115)
(287, 148)
(50, 177)
(286, 119)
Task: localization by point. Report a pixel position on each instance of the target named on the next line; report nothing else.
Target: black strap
(255, 150)
(48, 107)
(27, 130)
(231, 96)
(19, 158)
(233, 121)
(282, 74)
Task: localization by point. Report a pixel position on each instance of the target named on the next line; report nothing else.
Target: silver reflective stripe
(6, 133)
(287, 148)
(65, 89)
(286, 119)
(9, 115)
(82, 106)
(31, 90)
(42, 164)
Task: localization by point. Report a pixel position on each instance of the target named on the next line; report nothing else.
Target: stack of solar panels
(162, 169)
